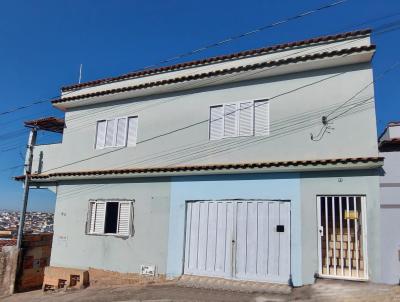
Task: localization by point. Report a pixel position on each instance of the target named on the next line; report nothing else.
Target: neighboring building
(207, 167)
(35, 256)
(389, 147)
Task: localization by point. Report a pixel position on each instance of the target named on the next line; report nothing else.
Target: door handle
(233, 258)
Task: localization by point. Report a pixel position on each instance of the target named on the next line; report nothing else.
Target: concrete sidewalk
(323, 290)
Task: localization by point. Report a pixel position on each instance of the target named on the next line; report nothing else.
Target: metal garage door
(240, 239)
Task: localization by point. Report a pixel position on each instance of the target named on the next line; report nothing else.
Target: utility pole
(28, 168)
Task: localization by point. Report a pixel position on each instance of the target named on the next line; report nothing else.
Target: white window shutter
(121, 132)
(132, 131)
(216, 123)
(261, 118)
(100, 134)
(99, 217)
(230, 120)
(246, 119)
(124, 218)
(110, 133)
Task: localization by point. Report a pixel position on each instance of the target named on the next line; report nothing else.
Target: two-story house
(209, 167)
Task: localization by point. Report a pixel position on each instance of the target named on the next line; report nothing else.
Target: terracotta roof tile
(7, 242)
(51, 123)
(389, 145)
(218, 72)
(219, 58)
(257, 165)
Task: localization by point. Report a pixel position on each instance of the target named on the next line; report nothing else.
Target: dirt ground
(323, 290)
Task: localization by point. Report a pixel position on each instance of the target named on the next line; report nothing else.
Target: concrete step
(233, 285)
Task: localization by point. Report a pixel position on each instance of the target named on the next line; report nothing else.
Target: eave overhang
(265, 69)
(389, 145)
(52, 124)
(213, 169)
(223, 58)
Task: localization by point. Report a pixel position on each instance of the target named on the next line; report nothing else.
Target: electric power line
(8, 134)
(118, 149)
(198, 50)
(9, 168)
(327, 121)
(229, 147)
(383, 30)
(180, 129)
(296, 89)
(10, 149)
(242, 35)
(380, 76)
(196, 86)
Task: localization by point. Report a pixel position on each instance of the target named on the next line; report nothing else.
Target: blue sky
(42, 44)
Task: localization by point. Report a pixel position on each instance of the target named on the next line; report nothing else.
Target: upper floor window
(117, 132)
(110, 217)
(250, 118)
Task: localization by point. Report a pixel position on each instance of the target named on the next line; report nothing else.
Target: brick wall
(35, 256)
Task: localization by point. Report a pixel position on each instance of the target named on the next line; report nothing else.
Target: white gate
(342, 237)
(239, 239)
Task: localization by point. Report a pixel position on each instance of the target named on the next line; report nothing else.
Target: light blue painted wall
(249, 186)
(361, 182)
(148, 246)
(172, 130)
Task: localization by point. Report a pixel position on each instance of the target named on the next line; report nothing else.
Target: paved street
(323, 290)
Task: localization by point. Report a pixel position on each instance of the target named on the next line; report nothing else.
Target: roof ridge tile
(217, 72)
(217, 58)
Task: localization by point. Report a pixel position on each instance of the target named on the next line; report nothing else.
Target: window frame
(237, 113)
(105, 201)
(115, 119)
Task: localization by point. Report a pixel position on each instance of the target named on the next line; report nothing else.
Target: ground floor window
(110, 217)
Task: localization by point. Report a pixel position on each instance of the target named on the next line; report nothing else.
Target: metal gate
(342, 237)
(239, 239)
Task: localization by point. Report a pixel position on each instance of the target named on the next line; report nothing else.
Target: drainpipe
(28, 168)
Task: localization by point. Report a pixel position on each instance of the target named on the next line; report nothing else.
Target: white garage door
(239, 239)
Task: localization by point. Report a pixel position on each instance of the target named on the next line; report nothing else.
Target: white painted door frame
(268, 263)
(345, 231)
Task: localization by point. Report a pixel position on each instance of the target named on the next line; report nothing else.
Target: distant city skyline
(35, 221)
(18, 211)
